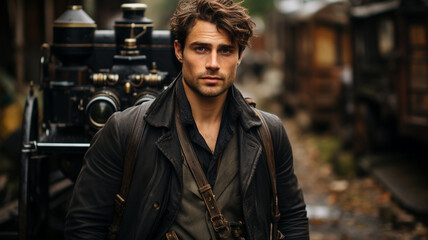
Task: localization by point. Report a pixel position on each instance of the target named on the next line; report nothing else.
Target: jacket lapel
(159, 115)
(168, 145)
(249, 155)
(228, 167)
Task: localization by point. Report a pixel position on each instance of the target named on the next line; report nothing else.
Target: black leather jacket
(156, 187)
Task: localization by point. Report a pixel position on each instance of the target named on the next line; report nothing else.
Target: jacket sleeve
(293, 222)
(91, 207)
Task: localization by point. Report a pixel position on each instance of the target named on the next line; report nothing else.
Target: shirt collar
(231, 111)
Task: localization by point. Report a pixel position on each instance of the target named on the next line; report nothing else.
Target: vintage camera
(93, 73)
(86, 75)
(98, 72)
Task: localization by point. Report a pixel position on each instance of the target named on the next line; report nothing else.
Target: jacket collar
(161, 111)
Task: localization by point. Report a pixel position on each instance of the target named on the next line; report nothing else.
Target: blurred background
(349, 78)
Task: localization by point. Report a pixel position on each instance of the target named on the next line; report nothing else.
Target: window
(325, 46)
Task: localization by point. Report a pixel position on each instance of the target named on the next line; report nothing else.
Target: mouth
(211, 79)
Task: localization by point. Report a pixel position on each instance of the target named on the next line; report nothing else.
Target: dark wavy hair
(225, 14)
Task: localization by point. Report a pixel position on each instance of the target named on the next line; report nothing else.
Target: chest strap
(220, 223)
(132, 150)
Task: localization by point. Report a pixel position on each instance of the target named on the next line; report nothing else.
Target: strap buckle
(221, 226)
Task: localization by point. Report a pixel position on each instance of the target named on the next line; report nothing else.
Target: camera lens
(101, 107)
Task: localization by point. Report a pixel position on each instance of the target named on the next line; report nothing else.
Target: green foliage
(328, 147)
(259, 8)
(160, 11)
(331, 152)
(344, 165)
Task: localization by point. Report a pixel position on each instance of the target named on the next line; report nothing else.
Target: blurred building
(315, 38)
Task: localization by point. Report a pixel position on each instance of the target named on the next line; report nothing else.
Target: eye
(226, 51)
(200, 49)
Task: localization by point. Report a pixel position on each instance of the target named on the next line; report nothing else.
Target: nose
(212, 61)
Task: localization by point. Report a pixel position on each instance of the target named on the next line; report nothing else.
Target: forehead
(207, 33)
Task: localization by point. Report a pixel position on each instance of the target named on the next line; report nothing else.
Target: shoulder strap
(134, 144)
(266, 138)
(220, 224)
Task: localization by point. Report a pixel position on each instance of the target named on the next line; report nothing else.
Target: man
(222, 129)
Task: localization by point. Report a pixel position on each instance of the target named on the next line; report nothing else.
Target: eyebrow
(229, 46)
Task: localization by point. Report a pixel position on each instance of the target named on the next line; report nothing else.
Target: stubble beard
(208, 91)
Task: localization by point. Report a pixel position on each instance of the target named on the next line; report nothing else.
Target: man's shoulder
(270, 117)
(132, 112)
(275, 124)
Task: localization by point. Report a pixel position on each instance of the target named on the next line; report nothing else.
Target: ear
(178, 51)
(240, 58)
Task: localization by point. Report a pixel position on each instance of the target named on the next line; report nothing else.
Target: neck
(207, 113)
(205, 110)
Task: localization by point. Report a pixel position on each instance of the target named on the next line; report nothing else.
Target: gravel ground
(346, 208)
(339, 207)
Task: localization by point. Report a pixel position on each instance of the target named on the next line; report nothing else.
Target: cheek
(192, 60)
(232, 66)
(191, 68)
(188, 67)
(231, 61)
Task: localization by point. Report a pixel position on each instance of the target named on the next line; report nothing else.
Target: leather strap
(220, 224)
(266, 138)
(134, 144)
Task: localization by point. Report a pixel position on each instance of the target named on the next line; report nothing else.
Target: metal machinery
(390, 50)
(86, 75)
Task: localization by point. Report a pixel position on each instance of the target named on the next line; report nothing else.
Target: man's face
(209, 60)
